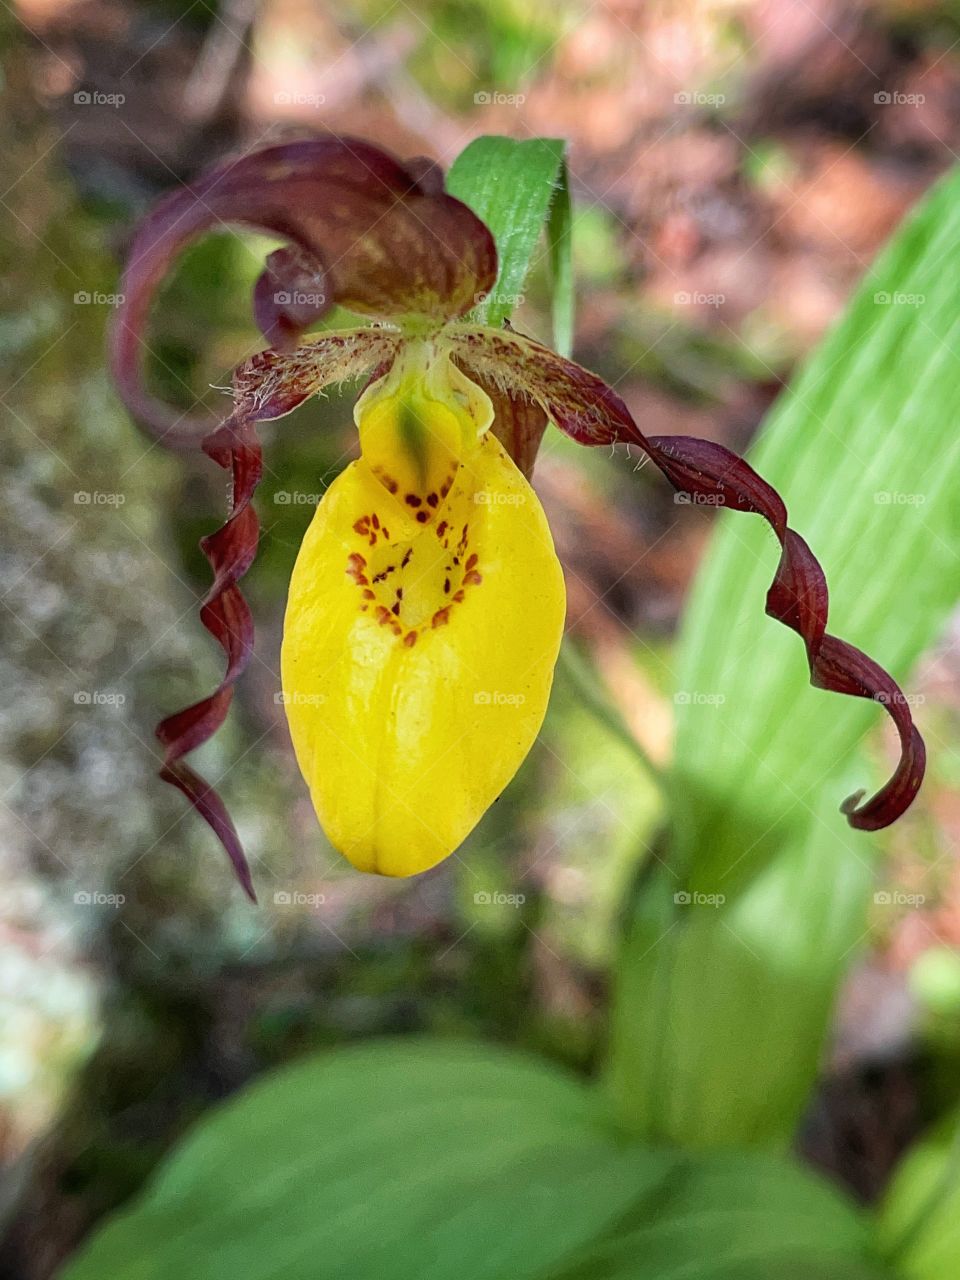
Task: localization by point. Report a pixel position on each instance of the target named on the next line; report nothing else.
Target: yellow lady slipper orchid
(426, 606)
(423, 622)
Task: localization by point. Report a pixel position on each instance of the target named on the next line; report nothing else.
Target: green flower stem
(582, 679)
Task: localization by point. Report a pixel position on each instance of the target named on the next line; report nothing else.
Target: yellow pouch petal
(418, 657)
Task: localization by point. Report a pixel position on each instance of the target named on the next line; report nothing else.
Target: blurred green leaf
(435, 1160)
(518, 189)
(419, 1159)
(732, 1217)
(919, 1221)
(722, 1012)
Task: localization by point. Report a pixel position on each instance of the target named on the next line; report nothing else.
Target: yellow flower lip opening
(423, 623)
(417, 424)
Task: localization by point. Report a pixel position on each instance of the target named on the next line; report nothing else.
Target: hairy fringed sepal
(364, 232)
(590, 412)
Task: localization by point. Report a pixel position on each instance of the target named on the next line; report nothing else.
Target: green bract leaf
(407, 1161)
(518, 189)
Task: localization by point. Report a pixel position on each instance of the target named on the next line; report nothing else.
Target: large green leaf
(431, 1160)
(416, 1160)
(731, 1217)
(560, 238)
(722, 1010)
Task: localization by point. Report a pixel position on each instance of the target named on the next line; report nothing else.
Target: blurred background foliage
(735, 168)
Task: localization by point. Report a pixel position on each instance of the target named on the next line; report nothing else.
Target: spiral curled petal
(589, 411)
(265, 387)
(225, 614)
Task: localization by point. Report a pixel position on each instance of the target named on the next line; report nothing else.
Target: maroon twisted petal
(589, 411)
(269, 385)
(226, 615)
(798, 598)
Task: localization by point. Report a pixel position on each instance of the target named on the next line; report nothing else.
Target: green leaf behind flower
(722, 1011)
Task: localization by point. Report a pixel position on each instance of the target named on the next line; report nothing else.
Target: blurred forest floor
(735, 168)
